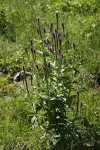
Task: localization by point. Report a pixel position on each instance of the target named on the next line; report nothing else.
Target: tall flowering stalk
(57, 21)
(39, 28)
(33, 52)
(50, 75)
(45, 69)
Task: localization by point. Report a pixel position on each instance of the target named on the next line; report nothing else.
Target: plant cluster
(53, 80)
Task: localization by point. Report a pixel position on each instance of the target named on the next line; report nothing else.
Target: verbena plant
(50, 63)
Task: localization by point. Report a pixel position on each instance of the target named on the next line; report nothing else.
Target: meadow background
(18, 20)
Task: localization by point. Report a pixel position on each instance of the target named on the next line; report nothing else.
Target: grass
(81, 20)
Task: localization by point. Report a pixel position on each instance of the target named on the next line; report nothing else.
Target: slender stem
(77, 104)
(26, 80)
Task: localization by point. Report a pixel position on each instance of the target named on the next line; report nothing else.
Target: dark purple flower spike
(50, 50)
(81, 104)
(44, 30)
(43, 54)
(44, 59)
(36, 67)
(38, 21)
(60, 43)
(63, 27)
(57, 20)
(48, 42)
(26, 51)
(59, 35)
(48, 65)
(73, 45)
(39, 28)
(56, 31)
(62, 56)
(51, 27)
(59, 52)
(57, 15)
(25, 79)
(38, 32)
(53, 35)
(44, 67)
(31, 78)
(31, 43)
(33, 51)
